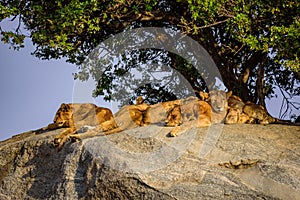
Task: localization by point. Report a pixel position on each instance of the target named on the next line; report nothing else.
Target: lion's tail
(116, 130)
(284, 122)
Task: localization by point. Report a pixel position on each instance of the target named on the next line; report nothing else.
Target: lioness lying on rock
(76, 116)
(215, 107)
(240, 112)
(199, 113)
(236, 113)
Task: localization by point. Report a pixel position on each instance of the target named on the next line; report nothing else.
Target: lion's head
(218, 100)
(64, 115)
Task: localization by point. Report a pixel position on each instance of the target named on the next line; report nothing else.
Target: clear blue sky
(31, 90)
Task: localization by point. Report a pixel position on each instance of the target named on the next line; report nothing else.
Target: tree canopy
(255, 44)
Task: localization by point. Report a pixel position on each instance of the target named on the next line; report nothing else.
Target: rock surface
(220, 162)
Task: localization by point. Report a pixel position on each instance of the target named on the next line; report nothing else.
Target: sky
(32, 90)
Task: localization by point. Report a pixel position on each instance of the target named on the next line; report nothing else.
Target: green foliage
(240, 35)
(15, 40)
(7, 11)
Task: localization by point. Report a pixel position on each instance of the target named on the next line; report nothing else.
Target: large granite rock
(220, 162)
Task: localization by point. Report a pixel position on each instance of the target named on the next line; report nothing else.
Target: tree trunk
(260, 93)
(260, 83)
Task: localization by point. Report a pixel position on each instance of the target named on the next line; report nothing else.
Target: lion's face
(64, 115)
(174, 116)
(218, 100)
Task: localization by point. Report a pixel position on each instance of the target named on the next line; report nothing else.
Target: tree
(255, 44)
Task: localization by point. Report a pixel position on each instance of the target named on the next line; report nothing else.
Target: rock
(220, 162)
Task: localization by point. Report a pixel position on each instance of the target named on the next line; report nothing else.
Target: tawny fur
(75, 116)
(135, 115)
(195, 113)
(199, 113)
(204, 96)
(181, 114)
(139, 112)
(235, 116)
(258, 112)
(240, 112)
(218, 101)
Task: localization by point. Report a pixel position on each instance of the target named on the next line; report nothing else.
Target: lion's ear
(139, 100)
(65, 106)
(228, 94)
(204, 96)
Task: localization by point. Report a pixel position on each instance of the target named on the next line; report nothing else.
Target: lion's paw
(172, 134)
(174, 131)
(74, 138)
(56, 142)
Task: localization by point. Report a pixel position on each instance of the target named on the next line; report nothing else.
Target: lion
(174, 116)
(249, 112)
(181, 111)
(192, 112)
(139, 112)
(218, 101)
(75, 116)
(240, 112)
(236, 102)
(235, 115)
(258, 112)
(235, 112)
(190, 109)
(199, 113)
(139, 115)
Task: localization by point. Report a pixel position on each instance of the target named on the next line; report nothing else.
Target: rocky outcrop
(219, 162)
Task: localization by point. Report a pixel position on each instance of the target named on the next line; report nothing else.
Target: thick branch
(260, 92)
